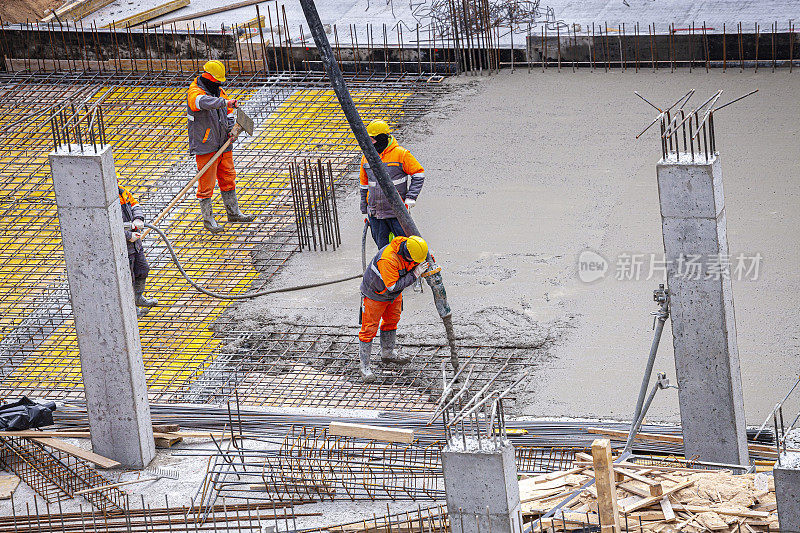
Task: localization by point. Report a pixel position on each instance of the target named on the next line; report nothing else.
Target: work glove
(420, 269)
(233, 104)
(135, 236)
(138, 224)
(410, 202)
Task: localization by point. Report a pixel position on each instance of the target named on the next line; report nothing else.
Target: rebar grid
(55, 475)
(225, 517)
(296, 116)
(317, 366)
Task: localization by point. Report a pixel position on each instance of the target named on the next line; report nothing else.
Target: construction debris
(686, 500)
(149, 14)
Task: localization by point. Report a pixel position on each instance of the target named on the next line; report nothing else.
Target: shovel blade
(244, 121)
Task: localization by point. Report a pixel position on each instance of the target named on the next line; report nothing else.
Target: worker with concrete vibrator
(210, 121)
(396, 266)
(133, 221)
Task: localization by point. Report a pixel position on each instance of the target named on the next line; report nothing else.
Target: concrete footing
(701, 308)
(787, 491)
(482, 487)
(101, 294)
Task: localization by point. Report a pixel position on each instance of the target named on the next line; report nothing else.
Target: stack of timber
(658, 499)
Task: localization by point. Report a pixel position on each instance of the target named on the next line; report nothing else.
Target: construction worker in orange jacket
(133, 214)
(395, 267)
(405, 172)
(210, 114)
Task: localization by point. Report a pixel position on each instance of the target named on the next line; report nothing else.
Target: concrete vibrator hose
(246, 295)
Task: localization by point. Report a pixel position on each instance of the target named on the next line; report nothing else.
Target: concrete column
(481, 487)
(787, 491)
(701, 308)
(102, 302)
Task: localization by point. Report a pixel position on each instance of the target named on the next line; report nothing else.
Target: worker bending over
(402, 168)
(133, 214)
(395, 267)
(211, 119)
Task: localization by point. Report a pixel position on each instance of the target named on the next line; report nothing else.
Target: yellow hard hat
(376, 127)
(417, 248)
(216, 69)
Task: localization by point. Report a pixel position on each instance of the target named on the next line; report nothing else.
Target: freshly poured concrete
(525, 171)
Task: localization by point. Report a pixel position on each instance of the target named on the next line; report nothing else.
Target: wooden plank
(212, 11)
(8, 484)
(166, 428)
(150, 14)
(657, 489)
(666, 508)
(654, 499)
(606, 486)
(77, 10)
(86, 455)
(636, 476)
(363, 431)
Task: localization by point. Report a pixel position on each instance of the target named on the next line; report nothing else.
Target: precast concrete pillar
(787, 490)
(102, 302)
(701, 308)
(481, 486)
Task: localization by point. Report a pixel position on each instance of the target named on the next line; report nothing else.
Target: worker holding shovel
(211, 118)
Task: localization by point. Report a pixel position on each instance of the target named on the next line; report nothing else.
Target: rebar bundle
(314, 199)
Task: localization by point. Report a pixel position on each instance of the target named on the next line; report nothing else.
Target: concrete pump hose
(246, 295)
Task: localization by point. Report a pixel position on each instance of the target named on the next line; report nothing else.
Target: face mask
(381, 142)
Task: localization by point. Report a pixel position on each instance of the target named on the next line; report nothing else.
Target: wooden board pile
(656, 499)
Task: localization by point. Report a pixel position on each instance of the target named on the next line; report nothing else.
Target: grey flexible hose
(246, 295)
(364, 246)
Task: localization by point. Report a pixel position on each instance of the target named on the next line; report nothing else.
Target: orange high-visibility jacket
(209, 120)
(388, 273)
(131, 210)
(401, 166)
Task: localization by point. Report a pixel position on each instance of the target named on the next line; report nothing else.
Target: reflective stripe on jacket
(401, 166)
(209, 121)
(388, 273)
(131, 210)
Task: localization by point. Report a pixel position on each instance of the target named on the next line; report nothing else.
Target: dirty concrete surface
(524, 171)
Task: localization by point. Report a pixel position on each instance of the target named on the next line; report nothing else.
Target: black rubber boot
(138, 293)
(209, 222)
(232, 208)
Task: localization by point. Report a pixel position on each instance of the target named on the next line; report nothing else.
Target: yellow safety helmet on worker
(377, 127)
(417, 248)
(216, 69)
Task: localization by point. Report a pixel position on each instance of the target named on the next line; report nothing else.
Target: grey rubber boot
(141, 312)
(388, 343)
(138, 293)
(209, 222)
(232, 208)
(364, 351)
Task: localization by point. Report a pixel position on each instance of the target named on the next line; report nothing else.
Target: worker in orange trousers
(211, 118)
(395, 267)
